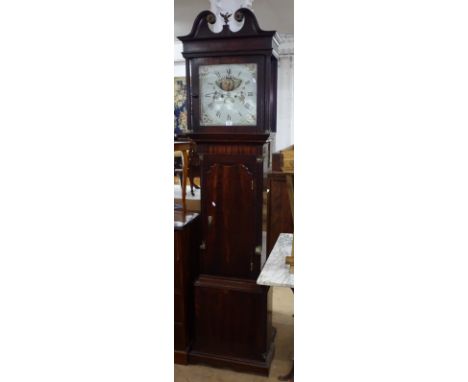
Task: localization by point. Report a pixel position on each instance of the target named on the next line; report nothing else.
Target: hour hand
(214, 94)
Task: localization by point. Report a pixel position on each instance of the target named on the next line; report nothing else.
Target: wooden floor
(282, 321)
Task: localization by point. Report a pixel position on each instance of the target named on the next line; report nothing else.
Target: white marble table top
(276, 271)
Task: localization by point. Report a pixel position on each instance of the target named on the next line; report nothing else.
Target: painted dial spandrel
(228, 95)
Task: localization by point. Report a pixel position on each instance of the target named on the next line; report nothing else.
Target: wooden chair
(186, 165)
(193, 168)
(181, 149)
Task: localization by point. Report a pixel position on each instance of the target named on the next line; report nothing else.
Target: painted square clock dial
(228, 94)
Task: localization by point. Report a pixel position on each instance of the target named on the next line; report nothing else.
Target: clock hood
(260, 39)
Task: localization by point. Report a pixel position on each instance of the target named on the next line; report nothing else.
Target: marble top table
(276, 271)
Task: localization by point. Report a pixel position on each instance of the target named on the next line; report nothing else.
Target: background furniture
(178, 166)
(277, 273)
(188, 166)
(193, 167)
(279, 216)
(186, 250)
(183, 148)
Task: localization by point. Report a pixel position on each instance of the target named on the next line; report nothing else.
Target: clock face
(228, 95)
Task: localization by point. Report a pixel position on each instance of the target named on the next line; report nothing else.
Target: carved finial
(226, 16)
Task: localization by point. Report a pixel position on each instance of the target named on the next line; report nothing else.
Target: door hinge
(252, 185)
(203, 245)
(258, 250)
(251, 266)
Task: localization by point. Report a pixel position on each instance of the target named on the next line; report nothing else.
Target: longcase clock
(231, 88)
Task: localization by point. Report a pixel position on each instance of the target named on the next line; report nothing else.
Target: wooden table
(184, 148)
(276, 273)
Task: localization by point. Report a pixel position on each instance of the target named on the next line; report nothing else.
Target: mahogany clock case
(232, 314)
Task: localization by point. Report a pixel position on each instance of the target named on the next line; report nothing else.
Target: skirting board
(181, 357)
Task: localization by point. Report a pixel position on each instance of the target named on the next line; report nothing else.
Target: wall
(285, 108)
(285, 112)
(179, 62)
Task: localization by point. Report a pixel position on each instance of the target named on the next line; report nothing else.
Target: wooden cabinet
(186, 248)
(279, 217)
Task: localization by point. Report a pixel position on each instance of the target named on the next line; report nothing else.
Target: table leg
(290, 376)
(184, 178)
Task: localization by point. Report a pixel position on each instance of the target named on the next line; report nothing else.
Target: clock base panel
(235, 363)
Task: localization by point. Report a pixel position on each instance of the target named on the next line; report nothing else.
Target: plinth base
(235, 363)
